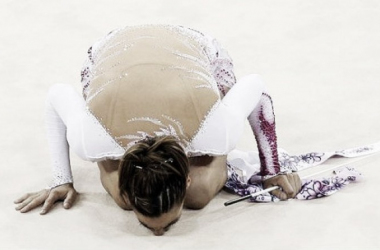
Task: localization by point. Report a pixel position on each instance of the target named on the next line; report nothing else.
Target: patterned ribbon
(311, 188)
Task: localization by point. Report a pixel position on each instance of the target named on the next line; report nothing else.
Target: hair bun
(153, 174)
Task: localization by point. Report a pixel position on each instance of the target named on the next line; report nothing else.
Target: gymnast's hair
(154, 175)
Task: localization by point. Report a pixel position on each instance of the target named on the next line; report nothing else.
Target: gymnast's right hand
(65, 193)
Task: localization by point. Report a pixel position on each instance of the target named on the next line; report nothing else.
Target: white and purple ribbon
(241, 163)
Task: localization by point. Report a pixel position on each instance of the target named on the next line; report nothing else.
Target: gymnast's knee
(256, 82)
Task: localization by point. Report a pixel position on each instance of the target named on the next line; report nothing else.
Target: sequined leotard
(157, 80)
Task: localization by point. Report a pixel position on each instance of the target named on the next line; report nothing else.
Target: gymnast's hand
(65, 193)
(290, 185)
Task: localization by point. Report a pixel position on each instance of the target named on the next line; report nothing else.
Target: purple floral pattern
(235, 185)
(311, 189)
(293, 163)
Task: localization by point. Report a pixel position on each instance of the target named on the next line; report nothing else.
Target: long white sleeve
(69, 123)
(59, 148)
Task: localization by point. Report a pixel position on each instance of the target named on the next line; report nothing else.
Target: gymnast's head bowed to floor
(153, 179)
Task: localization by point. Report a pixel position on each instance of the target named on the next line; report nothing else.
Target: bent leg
(244, 96)
(225, 124)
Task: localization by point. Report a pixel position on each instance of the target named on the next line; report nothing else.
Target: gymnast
(160, 111)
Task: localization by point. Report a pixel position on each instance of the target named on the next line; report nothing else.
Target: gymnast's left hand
(65, 193)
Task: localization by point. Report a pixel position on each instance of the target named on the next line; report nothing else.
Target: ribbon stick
(230, 202)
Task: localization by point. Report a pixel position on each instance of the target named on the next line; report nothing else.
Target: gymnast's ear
(188, 182)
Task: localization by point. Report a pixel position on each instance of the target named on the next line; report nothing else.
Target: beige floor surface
(320, 59)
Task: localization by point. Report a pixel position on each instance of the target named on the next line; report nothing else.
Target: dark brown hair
(154, 175)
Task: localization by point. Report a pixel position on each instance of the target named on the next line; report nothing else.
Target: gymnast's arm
(247, 99)
(68, 122)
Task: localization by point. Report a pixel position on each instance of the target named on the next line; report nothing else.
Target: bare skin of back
(208, 175)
